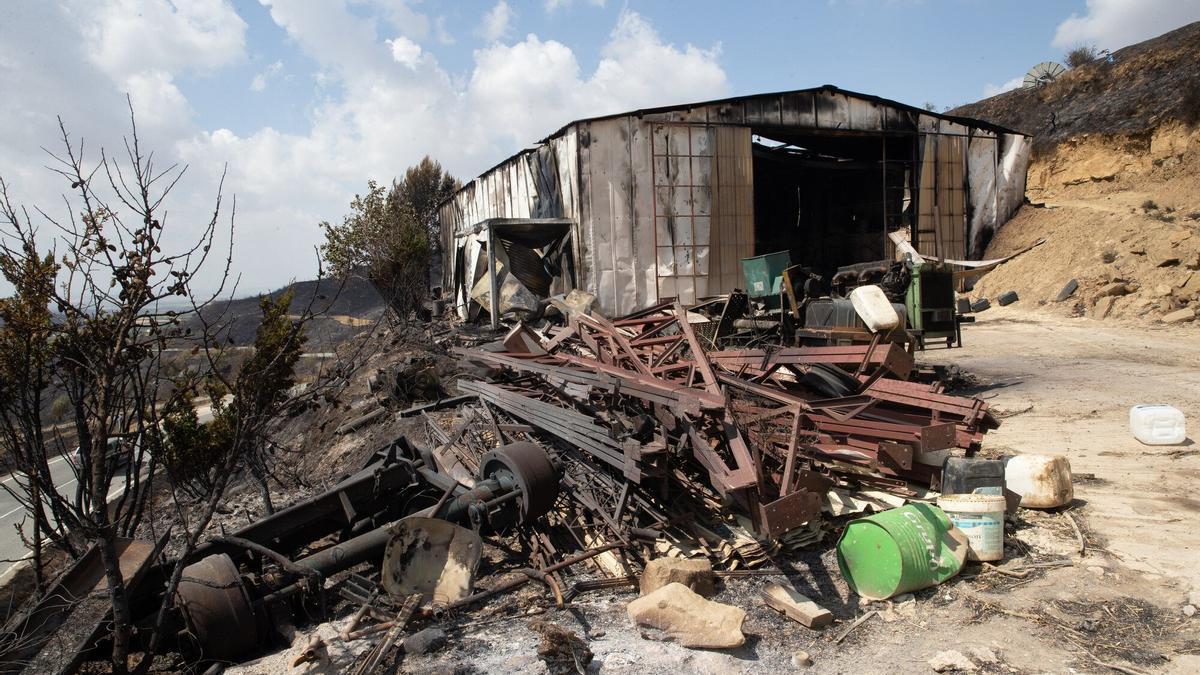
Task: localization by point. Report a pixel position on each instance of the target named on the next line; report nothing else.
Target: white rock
(983, 655)
(801, 659)
(951, 661)
(696, 574)
(1189, 610)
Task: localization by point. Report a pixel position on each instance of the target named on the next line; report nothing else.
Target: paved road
(63, 473)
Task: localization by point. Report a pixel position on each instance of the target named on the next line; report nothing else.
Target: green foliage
(389, 235)
(25, 334)
(26, 347)
(264, 380)
(191, 450)
(195, 452)
(424, 187)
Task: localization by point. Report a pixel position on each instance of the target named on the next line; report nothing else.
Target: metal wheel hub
(535, 475)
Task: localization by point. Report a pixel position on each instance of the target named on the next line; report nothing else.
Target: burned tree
(92, 314)
(25, 360)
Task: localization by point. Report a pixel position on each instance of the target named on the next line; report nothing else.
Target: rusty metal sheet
(86, 576)
(788, 513)
(937, 437)
(896, 456)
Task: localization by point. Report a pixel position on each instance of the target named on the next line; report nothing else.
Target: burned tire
(534, 473)
(830, 381)
(217, 608)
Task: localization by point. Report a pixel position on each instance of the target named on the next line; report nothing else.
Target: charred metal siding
(601, 174)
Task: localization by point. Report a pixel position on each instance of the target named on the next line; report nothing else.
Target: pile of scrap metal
(655, 414)
(597, 442)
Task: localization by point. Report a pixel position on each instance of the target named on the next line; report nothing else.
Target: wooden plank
(795, 606)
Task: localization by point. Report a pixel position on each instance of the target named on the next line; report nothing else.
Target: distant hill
(344, 310)
(1142, 87)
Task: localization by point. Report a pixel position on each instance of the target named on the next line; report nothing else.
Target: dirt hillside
(1114, 186)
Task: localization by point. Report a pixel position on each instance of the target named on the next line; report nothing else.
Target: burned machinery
(231, 595)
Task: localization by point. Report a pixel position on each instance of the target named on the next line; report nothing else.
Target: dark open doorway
(830, 199)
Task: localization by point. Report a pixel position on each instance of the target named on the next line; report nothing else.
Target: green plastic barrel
(897, 551)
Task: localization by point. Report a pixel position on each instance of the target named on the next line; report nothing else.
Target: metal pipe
(358, 616)
(349, 553)
(502, 499)
(282, 561)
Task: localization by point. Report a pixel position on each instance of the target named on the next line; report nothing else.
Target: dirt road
(1081, 376)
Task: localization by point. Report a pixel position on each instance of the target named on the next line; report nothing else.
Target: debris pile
(658, 409)
(661, 449)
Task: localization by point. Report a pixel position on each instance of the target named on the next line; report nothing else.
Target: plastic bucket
(897, 551)
(981, 517)
(874, 308)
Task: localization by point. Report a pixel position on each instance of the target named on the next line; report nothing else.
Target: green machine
(930, 303)
(764, 273)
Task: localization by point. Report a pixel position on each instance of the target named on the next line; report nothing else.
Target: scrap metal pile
(667, 431)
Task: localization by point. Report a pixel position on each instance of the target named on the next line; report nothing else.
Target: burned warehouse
(808, 381)
(661, 203)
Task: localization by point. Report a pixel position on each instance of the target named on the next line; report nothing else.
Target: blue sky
(305, 100)
(943, 52)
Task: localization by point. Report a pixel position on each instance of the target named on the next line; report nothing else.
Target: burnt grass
(1125, 628)
(1143, 85)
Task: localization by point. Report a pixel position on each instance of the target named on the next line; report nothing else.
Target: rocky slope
(1114, 186)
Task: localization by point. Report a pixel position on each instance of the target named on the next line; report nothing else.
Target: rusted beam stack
(772, 429)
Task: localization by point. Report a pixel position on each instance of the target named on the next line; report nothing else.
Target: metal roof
(825, 88)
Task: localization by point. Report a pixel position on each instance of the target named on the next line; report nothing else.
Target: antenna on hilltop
(1043, 73)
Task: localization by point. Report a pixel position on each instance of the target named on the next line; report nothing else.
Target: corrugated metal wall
(941, 215)
(655, 217)
(733, 210)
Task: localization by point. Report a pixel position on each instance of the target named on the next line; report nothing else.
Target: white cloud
(123, 37)
(386, 103)
(496, 22)
(554, 5)
(405, 51)
(638, 66)
(990, 89)
(1112, 24)
(157, 102)
(259, 83)
(636, 70)
(403, 19)
(441, 33)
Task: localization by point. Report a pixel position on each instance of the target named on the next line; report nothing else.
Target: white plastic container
(981, 518)
(1043, 481)
(874, 308)
(1157, 424)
